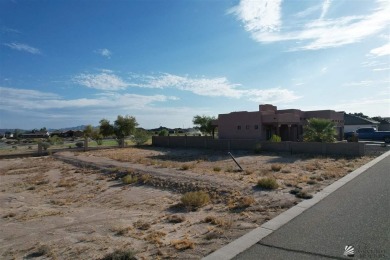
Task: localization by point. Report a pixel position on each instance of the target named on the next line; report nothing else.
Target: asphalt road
(357, 214)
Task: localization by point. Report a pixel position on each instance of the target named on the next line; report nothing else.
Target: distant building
(37, 134)
(262, 124)
(353, 123)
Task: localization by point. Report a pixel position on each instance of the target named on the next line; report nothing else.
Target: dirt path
(175, 180)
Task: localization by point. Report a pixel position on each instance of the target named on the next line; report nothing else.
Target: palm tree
(319, 130)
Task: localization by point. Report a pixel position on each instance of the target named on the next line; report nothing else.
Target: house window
(238, 127)
(256, 127)
(248, 127)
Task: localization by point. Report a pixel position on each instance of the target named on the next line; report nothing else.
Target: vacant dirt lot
(75, 205)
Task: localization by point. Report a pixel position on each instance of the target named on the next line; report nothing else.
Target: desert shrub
(186, 167)
(129, 179)
(217, 169)
(195, 199)
(176, 219)
(299, 193)
(140, 137)
(275, 139)
(276, 167)
(268, 183)
(213, 234)
(55, 140)
(79, 144)
(143, 225)
(218, 221)
(145, 178)
(120, 254)
(45, 145)
(246, 201)
(303, 195)
(311, 182)
(183, 244)
(121, 231)
(155, 237)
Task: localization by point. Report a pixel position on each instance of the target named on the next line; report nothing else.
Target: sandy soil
(73, 205)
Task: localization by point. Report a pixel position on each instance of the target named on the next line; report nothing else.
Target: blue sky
(67, 62)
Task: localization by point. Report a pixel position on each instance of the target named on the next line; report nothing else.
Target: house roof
(357, 120)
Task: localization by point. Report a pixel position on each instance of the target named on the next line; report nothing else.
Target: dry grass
(183, 244)
(121, 230)
(176, 218)
(129, 179)
(67, 183)
(195, 199)
(219, 221)
(155, 237)
(268, 183)
(142, 225)
(276, 167)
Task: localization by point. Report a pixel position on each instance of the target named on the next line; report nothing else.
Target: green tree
(124, 126)
(105, 128)
(319, 130)
(163, 132)
(204, 123)
(140, 137)
(88, 130)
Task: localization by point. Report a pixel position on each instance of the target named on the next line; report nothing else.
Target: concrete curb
(246, 241)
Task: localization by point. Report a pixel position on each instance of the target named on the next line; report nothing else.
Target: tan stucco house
(262, 124)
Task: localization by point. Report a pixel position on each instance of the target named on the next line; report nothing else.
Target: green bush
(79, 144)
(268, 183)
(140, 137)
(275, 139)
(195, 199)
(45, 146)
(163, 132)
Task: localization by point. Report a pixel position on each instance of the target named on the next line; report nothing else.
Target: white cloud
(308, 11)
(37, 100)
(381, 51)
(324, 70)
(200, 86)
(273, 95)
(366, 83)
(315, 34)
(103, 81)
(12, 93)
(23, 47)
(214, 87)
(104, 52)
(260, 15)
(381, 69)
(325, 8)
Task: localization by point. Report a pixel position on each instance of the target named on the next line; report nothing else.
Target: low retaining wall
(344, 149)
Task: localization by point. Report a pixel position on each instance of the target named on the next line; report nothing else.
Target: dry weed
(176, 218)
(183, 244)
(219, 221)
(142, 225)
(155, 237)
